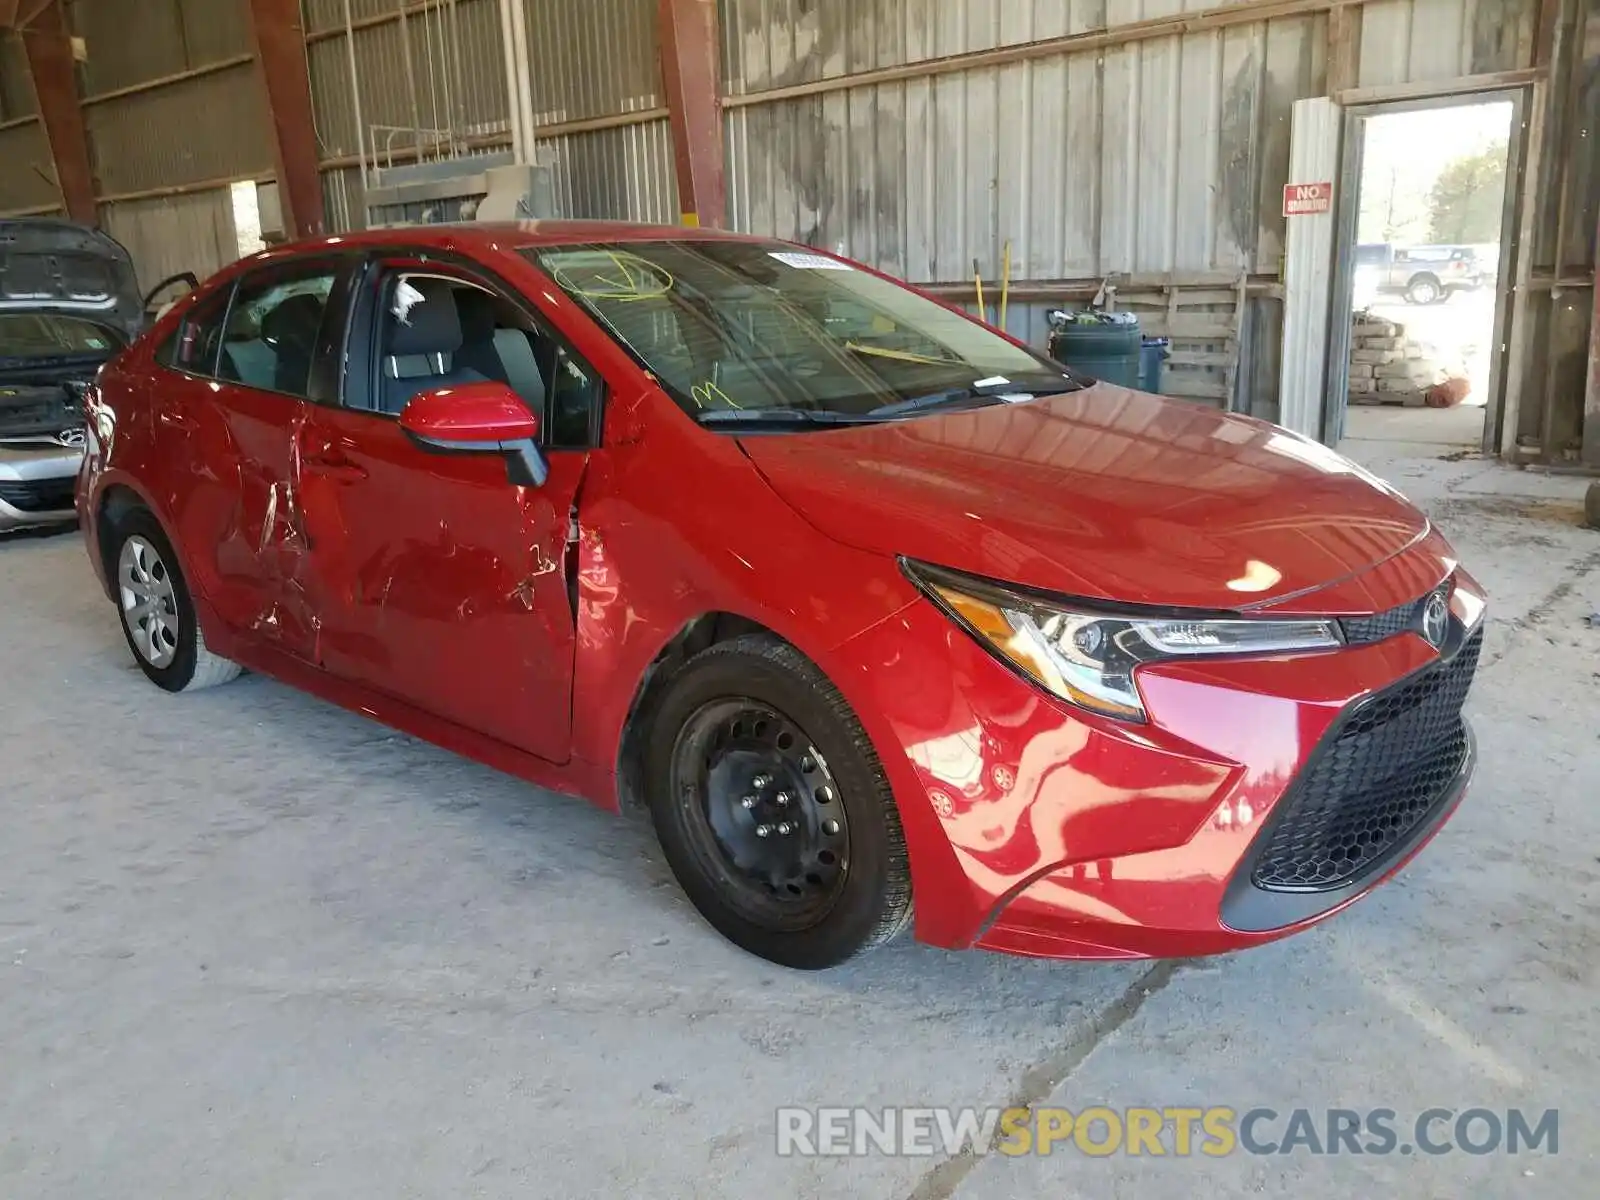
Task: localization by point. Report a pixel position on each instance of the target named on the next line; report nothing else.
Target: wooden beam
(55, 84)
(1591, 402)
(1223, 16)
(281, 60)
(1344, 49)
(687, 32)
(1460, 85)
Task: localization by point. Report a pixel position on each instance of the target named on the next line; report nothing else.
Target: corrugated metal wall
(167, 235)
(431, 81)
(1162, 155)
(1162, 158)
(26, 174)
(437, 82)
(1417, 41)
(1557, 299)
(192, 130)
(175, 111)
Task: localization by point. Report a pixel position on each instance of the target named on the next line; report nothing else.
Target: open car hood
(58, 266)
(1105, 493)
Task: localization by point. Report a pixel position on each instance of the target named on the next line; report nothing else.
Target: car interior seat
(291, 330)
(496, 351)
(420, 346)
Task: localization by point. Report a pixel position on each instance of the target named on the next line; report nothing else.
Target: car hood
(57, 266)
(1105, 493)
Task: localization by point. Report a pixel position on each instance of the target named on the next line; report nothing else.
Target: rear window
(51, 335)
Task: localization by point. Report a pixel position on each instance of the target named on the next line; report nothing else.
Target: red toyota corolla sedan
(874, 609)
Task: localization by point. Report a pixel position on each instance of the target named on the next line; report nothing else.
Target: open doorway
(1424, 248)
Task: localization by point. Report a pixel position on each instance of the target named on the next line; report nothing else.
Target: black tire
(1424, 289)
(869, 901)
(186, 664)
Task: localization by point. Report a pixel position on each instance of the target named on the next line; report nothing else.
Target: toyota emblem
(1436, 619)
(72, 439)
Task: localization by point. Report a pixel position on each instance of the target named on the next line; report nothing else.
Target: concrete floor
(251, 945)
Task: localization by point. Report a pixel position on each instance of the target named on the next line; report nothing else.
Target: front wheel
(772, 808)
(157, 612)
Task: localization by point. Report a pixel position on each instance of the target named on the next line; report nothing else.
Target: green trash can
(1153, 353)
(1105, 351)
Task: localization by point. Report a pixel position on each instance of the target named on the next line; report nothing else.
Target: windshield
(51, 335)
(763, 330)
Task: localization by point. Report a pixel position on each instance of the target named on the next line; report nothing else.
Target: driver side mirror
(479, 418)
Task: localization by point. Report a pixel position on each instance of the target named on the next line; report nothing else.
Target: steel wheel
(764, 812)
(148, 603)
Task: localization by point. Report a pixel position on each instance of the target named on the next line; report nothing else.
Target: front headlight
(1087, 658)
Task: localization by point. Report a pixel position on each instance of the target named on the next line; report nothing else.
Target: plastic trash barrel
(1104, 351)
(1153, 352)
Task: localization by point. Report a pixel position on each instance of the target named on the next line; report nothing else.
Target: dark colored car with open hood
(886, 619)
(68, 302)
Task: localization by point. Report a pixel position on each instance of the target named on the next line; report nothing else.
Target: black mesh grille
(1387, 765)
(1359, 631)
(37, 496)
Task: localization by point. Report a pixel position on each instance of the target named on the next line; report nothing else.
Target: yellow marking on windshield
(903, 355)
(640, 280)
(704, 393)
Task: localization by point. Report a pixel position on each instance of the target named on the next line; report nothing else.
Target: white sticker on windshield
(810, 262)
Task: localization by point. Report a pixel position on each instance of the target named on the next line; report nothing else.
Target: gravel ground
(252, 945)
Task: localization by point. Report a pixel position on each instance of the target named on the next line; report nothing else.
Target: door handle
(339, 469)
(175, 419)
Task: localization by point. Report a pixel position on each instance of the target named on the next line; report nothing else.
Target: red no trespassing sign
(1302, 198)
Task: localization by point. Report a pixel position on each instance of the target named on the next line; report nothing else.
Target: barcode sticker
(810, 262)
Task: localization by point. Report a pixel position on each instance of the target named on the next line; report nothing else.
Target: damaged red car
(887, 620)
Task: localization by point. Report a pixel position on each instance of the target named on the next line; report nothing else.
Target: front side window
(737, 329)
(438, 330)
(271, 334)
(193, 347)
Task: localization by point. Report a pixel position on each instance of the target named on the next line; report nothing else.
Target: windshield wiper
(973, 395)
(779, 416)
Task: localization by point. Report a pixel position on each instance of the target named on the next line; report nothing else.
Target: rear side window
(271, 335)
(193, 348)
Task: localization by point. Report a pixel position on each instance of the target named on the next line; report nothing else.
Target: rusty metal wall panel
(225, 133)
(1416, 41)
(1165, 155)
(179, 233)
(27, 180)
(621, 174)
(440, 70)
(776, 43)
(16, 84)
(132, 43)
(593, 59)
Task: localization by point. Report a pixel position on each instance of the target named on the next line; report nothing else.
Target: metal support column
(688, 32)
(55, 83)
(281, 59)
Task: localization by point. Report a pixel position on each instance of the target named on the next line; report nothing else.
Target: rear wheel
(157, 613)
(1424, 289)
(772, 807)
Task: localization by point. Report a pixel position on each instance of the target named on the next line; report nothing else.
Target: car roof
(497, 237)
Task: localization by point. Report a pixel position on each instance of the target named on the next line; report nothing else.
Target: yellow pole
(1005, 284)
(977, 280)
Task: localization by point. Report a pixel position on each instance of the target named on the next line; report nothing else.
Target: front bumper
(36, 485)
(1038, 830)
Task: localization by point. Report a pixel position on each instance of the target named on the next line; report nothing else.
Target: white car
(68, 302)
